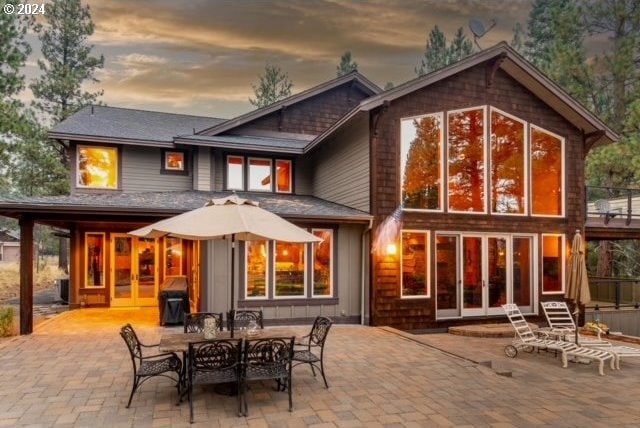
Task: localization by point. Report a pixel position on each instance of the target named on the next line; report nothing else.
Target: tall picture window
(257, 256)
(553, 259)
(260, 174)
(97, 167)
(421, 164)
(235, 172)
(172, 256)
(547, 175)
(507, 164)
(290, 268)
(283, 176)
(466, 160)
(323, 263)
(415, 264)
(94, 260)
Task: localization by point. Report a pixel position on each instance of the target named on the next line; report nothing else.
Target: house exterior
(9, 246)
(437, 201)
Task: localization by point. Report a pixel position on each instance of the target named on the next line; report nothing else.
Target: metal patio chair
(148, 366)
(194, 322)
(239, 319)
(311, 349)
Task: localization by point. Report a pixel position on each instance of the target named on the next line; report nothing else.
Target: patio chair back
(311, 349)
(519, 323)
(558, 315)
(240, 318)
(194, 322)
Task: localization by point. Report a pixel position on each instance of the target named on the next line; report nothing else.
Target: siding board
(141, 172)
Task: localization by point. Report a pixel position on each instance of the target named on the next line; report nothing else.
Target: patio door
(134, 269)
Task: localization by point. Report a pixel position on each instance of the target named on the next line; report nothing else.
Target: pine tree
(347, 65)
(438, 55)
(274, 85)
(67, 63)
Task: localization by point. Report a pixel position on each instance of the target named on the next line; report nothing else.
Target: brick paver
(75, 371)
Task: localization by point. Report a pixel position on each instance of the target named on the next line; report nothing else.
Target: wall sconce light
(391, 249)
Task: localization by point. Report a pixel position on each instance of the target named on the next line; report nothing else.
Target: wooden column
(26, 275)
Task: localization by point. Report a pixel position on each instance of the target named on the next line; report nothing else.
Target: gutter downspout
(365, 253)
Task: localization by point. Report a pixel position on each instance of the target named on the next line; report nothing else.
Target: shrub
(6, 321)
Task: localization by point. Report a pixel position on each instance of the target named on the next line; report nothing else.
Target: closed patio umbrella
(577, 280)
(232, 218)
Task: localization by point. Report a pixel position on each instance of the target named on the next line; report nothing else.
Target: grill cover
(173, 300)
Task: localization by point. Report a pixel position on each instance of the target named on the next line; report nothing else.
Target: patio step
(485, 330)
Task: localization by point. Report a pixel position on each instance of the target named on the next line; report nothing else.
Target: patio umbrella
(232, 218)
(577, 281)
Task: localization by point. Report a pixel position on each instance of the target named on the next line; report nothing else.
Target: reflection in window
(172, 256)
(257, 256)
(174, 161)
(322, 263)
(235, 172)
(421, 154)
(466, 161)
(552, 263)
(522, 271)
(414, 264)
(447, 272)
(546, 173)
(97, 167)
(283, 176)
(507, 164)
(290, 269)
(94, 260)
(260, 174)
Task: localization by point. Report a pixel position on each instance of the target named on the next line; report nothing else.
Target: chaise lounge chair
(527, 341)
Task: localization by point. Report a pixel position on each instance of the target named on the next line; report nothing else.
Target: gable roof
(365, 84)
(519, 69)
(113, 124)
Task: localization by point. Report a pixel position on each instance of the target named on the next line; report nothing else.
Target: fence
(613, 202)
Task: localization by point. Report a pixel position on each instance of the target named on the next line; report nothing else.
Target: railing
(620, 292)
(612, 202)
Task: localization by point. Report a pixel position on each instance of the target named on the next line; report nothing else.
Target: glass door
(134, 271)
(473, 276)
(447, 276)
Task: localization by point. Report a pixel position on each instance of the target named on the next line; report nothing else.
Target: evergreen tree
(517, 42)
(274, 85)
(438, 55)
(347, 65)
(67, 63)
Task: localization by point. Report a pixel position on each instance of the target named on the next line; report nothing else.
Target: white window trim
(525, 164)
(427, 274)
(117, 167)
(562, 175)
(305, 275)
(266, 273)
(331, 242)
(275, 174)
(271, 178)
(486, 157)
(86, 261)
(563, 262)
(443, 171)
(242, 174)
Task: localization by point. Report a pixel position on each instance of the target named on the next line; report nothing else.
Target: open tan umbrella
(577, 280)
(231, 218)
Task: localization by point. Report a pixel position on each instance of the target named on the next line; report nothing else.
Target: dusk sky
(201, 56)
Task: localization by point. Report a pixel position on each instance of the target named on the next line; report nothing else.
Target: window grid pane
(546, 173)
(290, 269)
(235, 172)
(507, 165)
(260, 174)
(322, 263)
(257, 256)
(414, 264)
(97, 167)
(283, 176)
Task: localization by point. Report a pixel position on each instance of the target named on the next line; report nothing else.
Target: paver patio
(74, 370)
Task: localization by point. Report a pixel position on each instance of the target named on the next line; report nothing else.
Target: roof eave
(238, 146)
(109, 140)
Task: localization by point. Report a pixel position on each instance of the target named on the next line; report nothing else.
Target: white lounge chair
(526, 340)
(561, 323)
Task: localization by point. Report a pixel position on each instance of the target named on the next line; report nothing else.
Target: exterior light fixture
(391, 249)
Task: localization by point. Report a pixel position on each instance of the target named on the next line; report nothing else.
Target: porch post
(26, 275)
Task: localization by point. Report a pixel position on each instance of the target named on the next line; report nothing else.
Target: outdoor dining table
(179, 342)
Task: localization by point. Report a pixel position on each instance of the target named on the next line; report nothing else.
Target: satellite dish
(478, 30)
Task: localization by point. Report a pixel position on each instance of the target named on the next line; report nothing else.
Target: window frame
(248, 174)
(562, 262)
(275, 174)
(331, 264)
(116, 170)
(485, 144)
(242, 173)
(443, 172)
(563, 174)
(427, 273)
(102, 235)
(165, 248)
(267, 282)
(526, 147)
(164, 169)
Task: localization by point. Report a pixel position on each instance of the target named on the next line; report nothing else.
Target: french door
(134, 270)
(488, 270)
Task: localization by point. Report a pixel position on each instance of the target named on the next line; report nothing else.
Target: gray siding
(303, 170)
(341, 167)
(203, 169)
(141, 172)
(218, 170)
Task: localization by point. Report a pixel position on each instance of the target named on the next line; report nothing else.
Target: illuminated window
(553, 257)
(421, 154)
(283, 176)
(260, 174)
(323, 263)
(235, 172)
(466, 168)
(415, 262)
(256, 269)
(94, 260)
(97, 167)
(172, 256)
(290, 269)
(507, 164)
(547, 175)
(174, 161)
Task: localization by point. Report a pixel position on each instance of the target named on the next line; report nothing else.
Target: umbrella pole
(233, 285)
